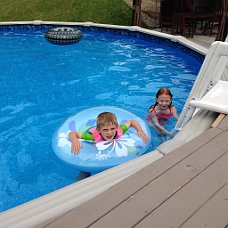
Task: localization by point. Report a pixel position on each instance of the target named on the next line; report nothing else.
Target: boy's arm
(138, 128)
(76, 144)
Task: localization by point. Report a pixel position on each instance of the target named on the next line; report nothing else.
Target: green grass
(115, 12)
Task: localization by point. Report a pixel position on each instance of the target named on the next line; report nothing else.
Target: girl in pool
(160, 112)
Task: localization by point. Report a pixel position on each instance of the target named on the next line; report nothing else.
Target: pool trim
(61, 201)
(177, 42)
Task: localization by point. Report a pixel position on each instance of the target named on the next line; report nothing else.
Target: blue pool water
(41, 84)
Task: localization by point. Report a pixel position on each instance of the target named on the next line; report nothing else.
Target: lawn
(115, 12)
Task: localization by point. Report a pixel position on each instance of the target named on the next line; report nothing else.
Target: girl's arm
(156, 122)
(76, 144)
(174, 112)
(138, 128)
(151, 108)
(158, 125)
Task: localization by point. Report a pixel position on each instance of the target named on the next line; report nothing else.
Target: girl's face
(108, 131)
(163, 101)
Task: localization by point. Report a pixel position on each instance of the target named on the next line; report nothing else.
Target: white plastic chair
(210, 90)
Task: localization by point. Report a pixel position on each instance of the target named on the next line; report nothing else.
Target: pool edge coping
(180, 39)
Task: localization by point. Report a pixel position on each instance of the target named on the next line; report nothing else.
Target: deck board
(166, 191)
(211, 214)
(187, 200)
(174, 191)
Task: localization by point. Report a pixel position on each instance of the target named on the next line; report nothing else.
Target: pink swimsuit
(161, 115)
(164, 115)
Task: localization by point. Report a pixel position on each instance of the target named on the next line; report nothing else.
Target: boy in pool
(107, 129)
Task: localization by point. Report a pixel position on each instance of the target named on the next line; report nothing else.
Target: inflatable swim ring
(95, 157)
(63, 35)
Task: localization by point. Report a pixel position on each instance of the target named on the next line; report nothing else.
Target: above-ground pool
(41, 84)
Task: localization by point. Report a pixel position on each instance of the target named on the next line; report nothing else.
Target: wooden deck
(187, 188)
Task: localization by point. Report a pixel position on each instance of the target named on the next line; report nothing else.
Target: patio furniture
(215, 22)
(205, 20)
(182, 23)
(166, 12)
(194, 16)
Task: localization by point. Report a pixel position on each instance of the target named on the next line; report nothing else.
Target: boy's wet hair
(106, 118)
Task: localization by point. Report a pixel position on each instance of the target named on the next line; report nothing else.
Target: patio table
(195, 15)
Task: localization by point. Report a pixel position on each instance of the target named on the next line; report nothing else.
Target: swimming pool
(42, 84)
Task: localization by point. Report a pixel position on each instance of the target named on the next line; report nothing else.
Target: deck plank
(186, 202)
(160, 197)
(224, 124)
(128, 202)
(213, 214)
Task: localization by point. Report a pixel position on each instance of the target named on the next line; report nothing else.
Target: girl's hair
(163, 91)
(106, 118)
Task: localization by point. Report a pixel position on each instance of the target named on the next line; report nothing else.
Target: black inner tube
(63, 35)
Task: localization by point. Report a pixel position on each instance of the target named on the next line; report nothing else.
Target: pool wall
(177, 42)
(59, 202)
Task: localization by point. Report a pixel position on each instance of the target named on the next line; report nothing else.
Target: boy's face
(107, 131)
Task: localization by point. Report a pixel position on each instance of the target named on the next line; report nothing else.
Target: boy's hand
(143, 135)
(76, 146)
